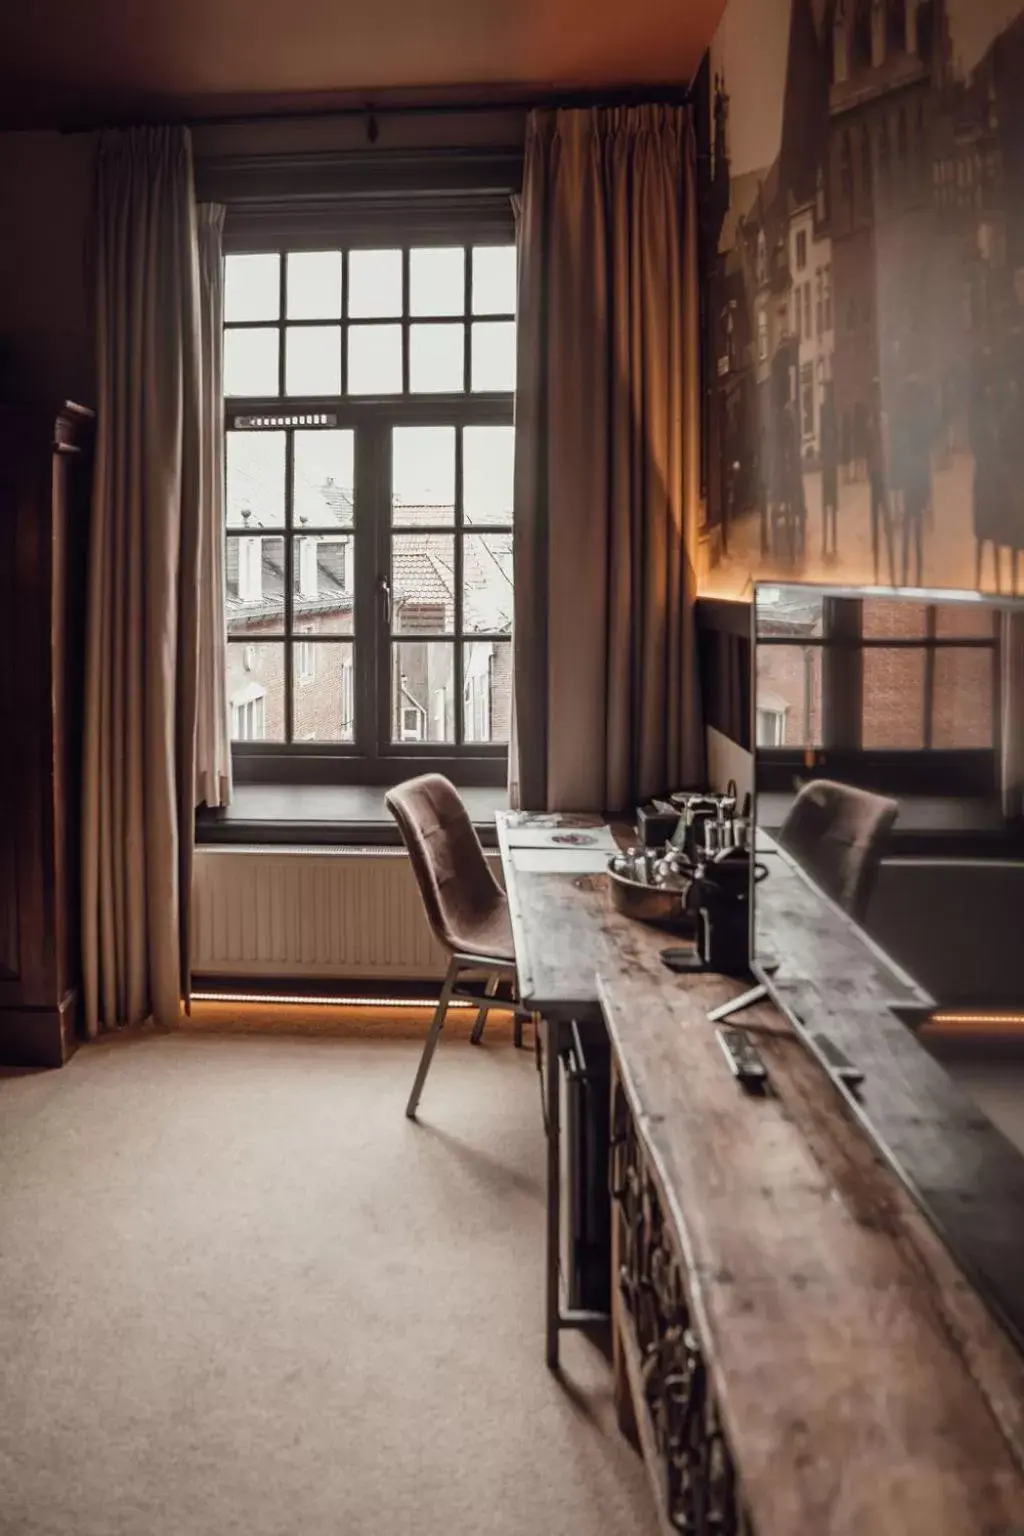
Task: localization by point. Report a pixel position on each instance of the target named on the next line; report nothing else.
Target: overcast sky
(751, 43)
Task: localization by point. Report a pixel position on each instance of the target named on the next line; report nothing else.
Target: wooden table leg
(553, 1098)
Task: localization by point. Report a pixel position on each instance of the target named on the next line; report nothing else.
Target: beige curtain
(1012, 723)
(213, 737)
(607, 478)
(141, 660)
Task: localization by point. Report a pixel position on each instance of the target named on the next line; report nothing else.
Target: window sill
(326, 815)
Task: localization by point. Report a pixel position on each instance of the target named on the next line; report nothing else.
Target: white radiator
(310, 912)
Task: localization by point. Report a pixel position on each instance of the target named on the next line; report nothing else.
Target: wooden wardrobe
(45, 486)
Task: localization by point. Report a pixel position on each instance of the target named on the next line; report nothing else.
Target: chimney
(250, 565)
(307, 566)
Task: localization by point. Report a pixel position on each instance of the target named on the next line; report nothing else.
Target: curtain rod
(666, 95)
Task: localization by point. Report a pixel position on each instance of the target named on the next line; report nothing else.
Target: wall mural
(862, 198)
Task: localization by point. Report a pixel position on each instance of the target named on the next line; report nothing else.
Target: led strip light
(977, 1018)
(303, 1000)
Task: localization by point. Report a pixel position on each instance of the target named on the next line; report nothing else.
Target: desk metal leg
(553, 1098)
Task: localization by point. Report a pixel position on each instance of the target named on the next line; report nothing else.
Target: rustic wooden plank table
(863, 1383)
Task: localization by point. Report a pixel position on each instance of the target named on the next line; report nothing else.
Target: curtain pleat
(141, 653)
(607, 438)
(213, 743)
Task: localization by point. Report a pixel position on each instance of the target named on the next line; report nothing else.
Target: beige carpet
(240, 1293)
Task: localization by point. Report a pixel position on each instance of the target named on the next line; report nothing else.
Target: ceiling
(74, 61)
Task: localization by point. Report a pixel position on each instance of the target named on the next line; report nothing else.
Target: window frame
(925, 769)
(372, 757)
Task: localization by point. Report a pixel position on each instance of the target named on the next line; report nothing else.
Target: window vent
(305, 419)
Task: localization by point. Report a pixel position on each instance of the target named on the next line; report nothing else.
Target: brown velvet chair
(465, 906)
(837, 833)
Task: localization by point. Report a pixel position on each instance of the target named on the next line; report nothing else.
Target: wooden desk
(778, 1287)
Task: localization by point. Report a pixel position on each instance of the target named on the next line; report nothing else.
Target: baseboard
(39, 1037)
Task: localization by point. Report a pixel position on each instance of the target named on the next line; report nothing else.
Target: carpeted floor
(241, 1293)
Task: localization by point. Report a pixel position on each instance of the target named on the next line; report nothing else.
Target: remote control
(743, 1057)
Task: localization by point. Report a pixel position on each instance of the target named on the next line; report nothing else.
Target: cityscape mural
(862, 201)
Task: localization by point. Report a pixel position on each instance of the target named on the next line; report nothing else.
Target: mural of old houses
(865, 376)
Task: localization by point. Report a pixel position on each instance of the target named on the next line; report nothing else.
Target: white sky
(751, 43)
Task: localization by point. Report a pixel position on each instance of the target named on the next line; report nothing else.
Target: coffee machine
(719, 898)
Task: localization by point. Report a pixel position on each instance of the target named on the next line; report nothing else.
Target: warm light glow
(288, 1000)
(977, 1018)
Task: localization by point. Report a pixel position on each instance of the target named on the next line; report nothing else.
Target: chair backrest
(459, 891)
(837, 833)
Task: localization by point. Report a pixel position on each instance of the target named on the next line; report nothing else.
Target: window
(819, 314)
(827, 296)
(910, 677)
(248, 714)
(762, 336)
(369, 459)
(807, 398)
(771, 726)
(801, 250)
(807, 310)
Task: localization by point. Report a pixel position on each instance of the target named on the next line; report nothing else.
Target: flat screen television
(886, 926)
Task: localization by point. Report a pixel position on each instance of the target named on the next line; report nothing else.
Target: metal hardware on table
(700, 1487)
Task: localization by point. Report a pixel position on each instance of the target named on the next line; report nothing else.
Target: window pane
(375, 360)
(251, 362)
(323, 584)
(494, 280)
(789, 611)
(965, 621)
(882, 620)
(788, 695)
(374, 284)
(256, 690)
(252, 287)
(436, 359)
(422, 475)
(323, 490)
(314, 285)
(324, 691)
(254, 583)
(487, 471)
(893, 700)
(437, 281)
(423, 583)
(423, 691)
(494, 356)
(487, 690)
(312, 363)
(487, 583)
(255, 479)
(962, 699)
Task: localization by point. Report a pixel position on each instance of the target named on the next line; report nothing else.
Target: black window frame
(922, 770)
(373, 758)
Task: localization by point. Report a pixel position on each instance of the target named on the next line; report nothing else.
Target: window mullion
(457, 671)
(930, 617)
(289, 586)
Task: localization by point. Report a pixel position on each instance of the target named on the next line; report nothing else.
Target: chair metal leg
(481, 1018)
(434, 1034)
